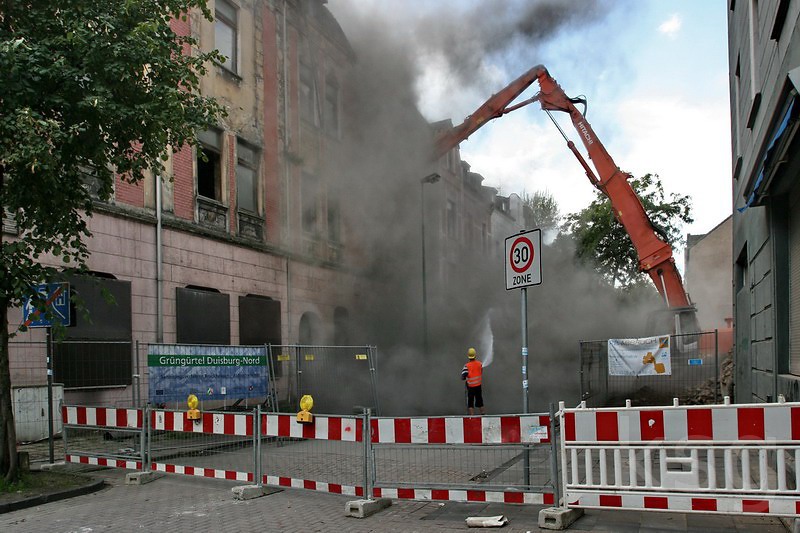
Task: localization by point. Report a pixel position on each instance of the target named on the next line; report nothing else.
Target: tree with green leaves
(90, 90)
(602, 241)
(541, 210)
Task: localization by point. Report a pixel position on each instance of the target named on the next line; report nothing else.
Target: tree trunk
(8, 434)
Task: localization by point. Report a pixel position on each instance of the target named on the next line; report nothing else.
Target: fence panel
(500, 459)
(327, 455)
(694, 380)
(218, 445)
(483, 459)
(104, 436)
(341, 379)
(721, 458)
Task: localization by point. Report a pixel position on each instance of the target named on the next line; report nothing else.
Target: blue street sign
(56, 297)
(695, 362)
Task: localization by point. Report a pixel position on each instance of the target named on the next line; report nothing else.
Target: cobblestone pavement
(180, 503)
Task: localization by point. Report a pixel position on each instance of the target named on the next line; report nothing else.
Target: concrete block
(365, 508)
(248, 492)
(140, 478)
(50, 466)
(558, 517)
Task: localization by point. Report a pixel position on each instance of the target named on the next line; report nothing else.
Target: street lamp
(430, 178)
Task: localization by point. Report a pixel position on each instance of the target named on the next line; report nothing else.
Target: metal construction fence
(735, 459)
(340, 379)
(115, 373)
(695, 377)
(509, 458)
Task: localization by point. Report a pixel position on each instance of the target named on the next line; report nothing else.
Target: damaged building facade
(764, 58)
(240, 242)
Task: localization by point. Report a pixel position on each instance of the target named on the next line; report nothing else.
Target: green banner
(206, 360)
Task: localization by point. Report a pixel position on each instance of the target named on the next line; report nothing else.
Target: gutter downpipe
(287, 174)
(159, 267)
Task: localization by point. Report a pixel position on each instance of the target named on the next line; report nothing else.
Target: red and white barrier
(103, 461)
(323, 428)
(212, 423)
(199, 471)
(102, 417)
(533, 498)
(462, 430)
(333, 488)
(720, 423)
(751, 505)
(722, 458)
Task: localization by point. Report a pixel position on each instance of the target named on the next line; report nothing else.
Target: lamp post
(430, 178)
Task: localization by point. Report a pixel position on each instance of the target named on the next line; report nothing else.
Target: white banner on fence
(648, 356)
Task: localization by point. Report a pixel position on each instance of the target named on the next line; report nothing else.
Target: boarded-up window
(97, 349)
(260, 323)
(794, 281)
(202, 316)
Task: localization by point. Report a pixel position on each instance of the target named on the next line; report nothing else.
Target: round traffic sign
(521, 255)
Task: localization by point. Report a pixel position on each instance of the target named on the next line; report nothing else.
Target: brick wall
(270, 157)
(130, 194)
(183, 185)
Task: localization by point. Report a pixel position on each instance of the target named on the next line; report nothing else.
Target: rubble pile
(705, 393)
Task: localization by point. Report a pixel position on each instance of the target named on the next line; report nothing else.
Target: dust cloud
(387, 147)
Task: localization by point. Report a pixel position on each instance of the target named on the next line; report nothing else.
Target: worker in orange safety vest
(472, 373)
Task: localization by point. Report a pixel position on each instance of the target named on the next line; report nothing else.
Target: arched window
(310, 329)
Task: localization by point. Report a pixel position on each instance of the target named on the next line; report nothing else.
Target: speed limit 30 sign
(523, 259)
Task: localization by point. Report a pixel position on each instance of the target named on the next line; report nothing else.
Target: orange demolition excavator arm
(655, 254)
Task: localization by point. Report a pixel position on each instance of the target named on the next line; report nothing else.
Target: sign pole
(524, 268)
(524, 292)
(50, 393)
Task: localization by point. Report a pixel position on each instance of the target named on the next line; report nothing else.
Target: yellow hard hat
(471, 353)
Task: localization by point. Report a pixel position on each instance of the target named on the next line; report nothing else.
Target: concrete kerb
(92, 485)
(365, 508)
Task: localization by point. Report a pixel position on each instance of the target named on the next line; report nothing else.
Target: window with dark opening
(309, 199)
(332, 105)
(209, 165)
(246, 177)
(334, 223)
(308, 94)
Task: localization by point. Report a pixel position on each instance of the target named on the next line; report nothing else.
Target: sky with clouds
(655, 73)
